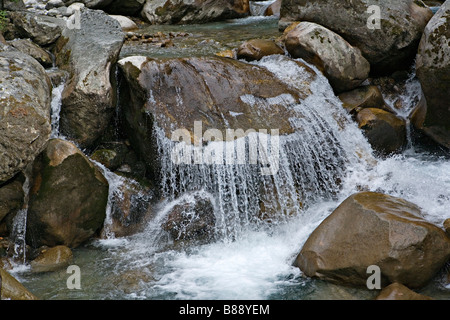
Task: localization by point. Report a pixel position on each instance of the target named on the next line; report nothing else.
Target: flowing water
(323, 162)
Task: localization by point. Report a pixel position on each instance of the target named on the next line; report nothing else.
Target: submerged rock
(191, 219)
(371, 228)
(68, 197)
(390, 46)
(52, 259)
(11, 289)
(342, 64)
(25, 96)
(433, 71)
(89, 96)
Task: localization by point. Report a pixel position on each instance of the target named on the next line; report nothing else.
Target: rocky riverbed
(224, 149)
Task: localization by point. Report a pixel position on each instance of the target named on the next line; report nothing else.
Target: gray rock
(25, 96)
(29, 47)
(89, 54)
(14, 5)
(186, 11)
(433, 71)
(54, 4)
(391, 47)
(341, 63)
(43, 30)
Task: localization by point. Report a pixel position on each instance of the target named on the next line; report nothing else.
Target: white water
(19, 226)
(258, 8)
(56, 109)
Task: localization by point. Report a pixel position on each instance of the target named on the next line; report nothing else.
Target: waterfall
(56, 109)
(309, 163)
(258, 8)
(19, 225)
(409, 97)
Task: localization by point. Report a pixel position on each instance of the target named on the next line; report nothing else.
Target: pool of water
(203, 39)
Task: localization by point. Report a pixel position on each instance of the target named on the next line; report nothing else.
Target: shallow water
(204, 39)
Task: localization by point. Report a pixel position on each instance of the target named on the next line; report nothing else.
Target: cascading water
(309, 163)
(56, 109)
(258, 8)
(19, 226)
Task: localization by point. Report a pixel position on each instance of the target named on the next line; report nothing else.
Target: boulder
(368, 96)
(126, 23)
(371, 228)
(391, 47)
(341, 63)
(433, 72)
(11, 289)
(89, 96)
(397, 291)
(192, 218)
(42, 30)
(257, 48)
(384, 130)
(68, 197)
(25, 98)
(52, 259)
(222, 93)
(30, 48)
(186, 11)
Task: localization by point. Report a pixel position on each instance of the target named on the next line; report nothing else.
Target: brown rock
(384, 130)
(397, 291)
(257, 48)
(447, 226)
(363, 97)
(68, 197)
(175, 93)
(11, 289)
(371, 228)
(52, 259)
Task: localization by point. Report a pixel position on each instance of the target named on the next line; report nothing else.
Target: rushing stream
(248, 259)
